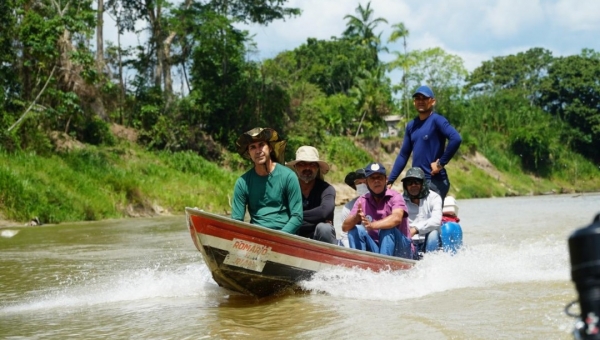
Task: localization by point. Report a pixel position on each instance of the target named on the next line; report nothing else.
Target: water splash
(127, 285)
(8, 233)
(477, 266)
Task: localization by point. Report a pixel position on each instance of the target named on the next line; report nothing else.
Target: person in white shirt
(424, 211)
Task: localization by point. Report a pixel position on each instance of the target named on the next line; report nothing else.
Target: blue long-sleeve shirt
(426, 139)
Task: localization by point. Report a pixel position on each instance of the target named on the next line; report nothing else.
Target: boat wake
(477, 266)
(127, 285)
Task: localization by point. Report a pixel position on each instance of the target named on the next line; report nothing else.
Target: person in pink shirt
(378, 221)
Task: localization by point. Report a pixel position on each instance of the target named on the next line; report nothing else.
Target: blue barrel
(451, 236)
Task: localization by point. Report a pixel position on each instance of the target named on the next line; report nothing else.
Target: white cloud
(506, 18)
(583, 15)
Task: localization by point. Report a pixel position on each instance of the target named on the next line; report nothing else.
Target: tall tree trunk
(166, 60)
(121, 82)
(100, 36)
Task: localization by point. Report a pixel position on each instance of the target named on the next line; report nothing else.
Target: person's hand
(436, 167)
(413, 231)
(359, 213)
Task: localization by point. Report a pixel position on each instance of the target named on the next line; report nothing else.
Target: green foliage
(524, 71)
(345, 154)
(95, 131)
(532, 144)
(333, 65)
(360, 29)
(571, 91)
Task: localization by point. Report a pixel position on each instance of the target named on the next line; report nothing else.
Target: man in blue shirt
(425, 138)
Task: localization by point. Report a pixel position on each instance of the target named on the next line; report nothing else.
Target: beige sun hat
(309, 154)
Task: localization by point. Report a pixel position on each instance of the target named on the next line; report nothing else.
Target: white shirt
(427, 216)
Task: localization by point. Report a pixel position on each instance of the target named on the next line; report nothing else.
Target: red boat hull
(259, 261)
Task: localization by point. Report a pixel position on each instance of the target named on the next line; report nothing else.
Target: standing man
(424, 211)
(269, 190)
(378, 221)
(318, 196)
(425, 138)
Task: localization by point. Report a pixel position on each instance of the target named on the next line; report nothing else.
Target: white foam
(8, 233)
(128, 285)
(477, 266)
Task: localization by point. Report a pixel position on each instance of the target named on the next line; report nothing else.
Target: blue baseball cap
(424, 90)
(374, 168)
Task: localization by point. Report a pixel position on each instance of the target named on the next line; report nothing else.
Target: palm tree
(370, 99)
(401, 32)
(360, 28)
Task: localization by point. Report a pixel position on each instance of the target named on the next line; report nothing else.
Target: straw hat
(309, 154)
(262, 134)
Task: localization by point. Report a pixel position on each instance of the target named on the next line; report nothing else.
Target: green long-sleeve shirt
(274, 201)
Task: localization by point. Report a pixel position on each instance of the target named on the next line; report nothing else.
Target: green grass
(113, 182)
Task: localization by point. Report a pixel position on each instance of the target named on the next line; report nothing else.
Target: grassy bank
(97, 183)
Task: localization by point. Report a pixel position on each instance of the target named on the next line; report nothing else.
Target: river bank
(100, 183)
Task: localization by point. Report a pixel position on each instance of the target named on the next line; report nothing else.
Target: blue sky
(475, 30)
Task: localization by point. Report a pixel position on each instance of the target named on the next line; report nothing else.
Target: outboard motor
(451, 237)
(584, 250)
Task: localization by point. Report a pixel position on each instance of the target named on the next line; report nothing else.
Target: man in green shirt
(269, 190)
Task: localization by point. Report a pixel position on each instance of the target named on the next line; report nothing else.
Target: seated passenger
(424, 211)
(378, 221)
(357, 181)
(318, 196)
(269, 190)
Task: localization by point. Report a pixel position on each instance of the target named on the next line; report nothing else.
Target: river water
(143, 279)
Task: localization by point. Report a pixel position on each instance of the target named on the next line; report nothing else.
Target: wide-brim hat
(262, 134)
(309, 154)
(416, 173)
(353, 176)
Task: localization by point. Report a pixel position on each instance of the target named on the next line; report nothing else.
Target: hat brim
(262, 134)
(323, 166)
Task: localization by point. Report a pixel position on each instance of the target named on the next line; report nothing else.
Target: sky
(475, 30)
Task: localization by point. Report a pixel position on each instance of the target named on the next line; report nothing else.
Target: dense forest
(530, 112)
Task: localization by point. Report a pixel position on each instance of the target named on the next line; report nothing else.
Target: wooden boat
(258, 261)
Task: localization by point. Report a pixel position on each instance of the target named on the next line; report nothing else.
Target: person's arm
(240, 196)
(434, 203)
(319, 214)
(454, 139)
(294, 199)
(402, 157)
(354, 217)
(388, 222)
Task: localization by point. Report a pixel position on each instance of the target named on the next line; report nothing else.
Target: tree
(373, 101)
(522, 72)
(443, 72)
(570, 92)
(361, 28)
(333, 65)
(402, 61)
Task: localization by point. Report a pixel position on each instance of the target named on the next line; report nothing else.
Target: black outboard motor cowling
(584, 250)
